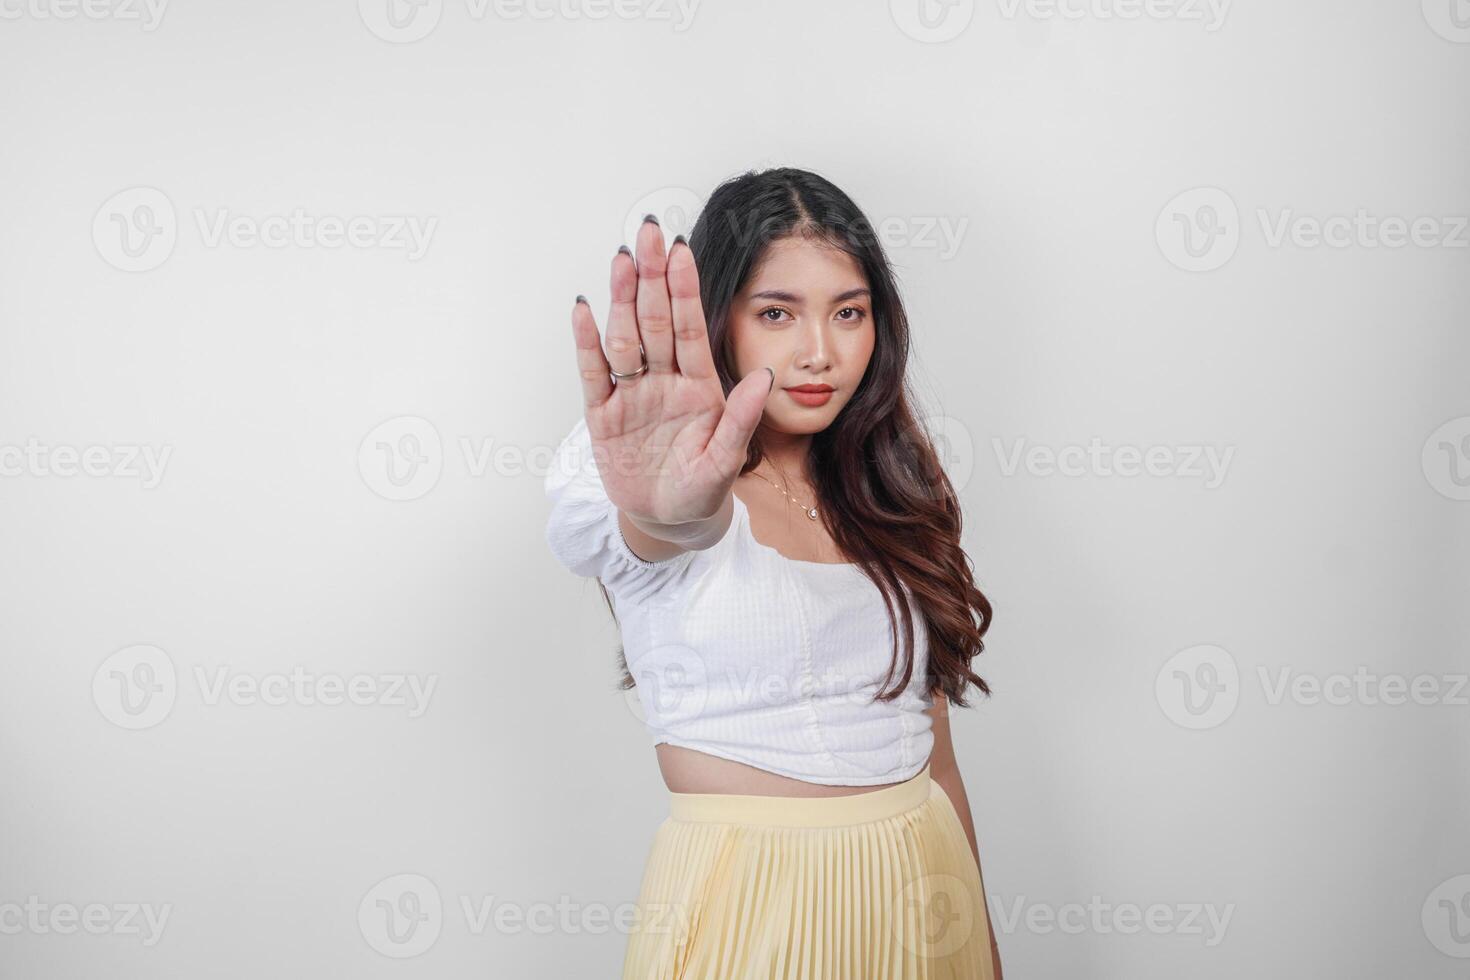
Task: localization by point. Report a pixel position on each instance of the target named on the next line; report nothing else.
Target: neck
(786, 453)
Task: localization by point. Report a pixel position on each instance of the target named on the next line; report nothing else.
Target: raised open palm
(668, 444)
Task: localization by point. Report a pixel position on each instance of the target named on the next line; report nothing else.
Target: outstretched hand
(668, 443)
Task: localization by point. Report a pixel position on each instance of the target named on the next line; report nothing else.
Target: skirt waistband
(802, 811)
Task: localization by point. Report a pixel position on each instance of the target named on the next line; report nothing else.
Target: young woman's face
(807, 313)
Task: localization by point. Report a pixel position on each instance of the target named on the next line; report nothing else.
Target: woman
(782, 552)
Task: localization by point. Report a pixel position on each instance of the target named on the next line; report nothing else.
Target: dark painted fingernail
(625, 250)
(581, 298)
(679, 240)
(648, 217)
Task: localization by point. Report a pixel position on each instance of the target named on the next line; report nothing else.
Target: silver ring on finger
(617, 375)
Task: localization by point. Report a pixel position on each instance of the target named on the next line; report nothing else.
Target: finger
(744, 407)
(622, 318)
(591, 364)
(655, 318)
(691, 335)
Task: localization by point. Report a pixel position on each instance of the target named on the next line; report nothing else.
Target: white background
(1065, 152)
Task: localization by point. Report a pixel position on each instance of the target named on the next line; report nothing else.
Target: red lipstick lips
(810, 395)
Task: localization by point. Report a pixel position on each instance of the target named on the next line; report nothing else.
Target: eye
(857, 314)
(771, 309)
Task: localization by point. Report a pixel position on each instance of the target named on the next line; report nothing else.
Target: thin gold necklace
(810, 511)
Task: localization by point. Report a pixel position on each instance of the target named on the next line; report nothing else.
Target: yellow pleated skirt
(879, 885)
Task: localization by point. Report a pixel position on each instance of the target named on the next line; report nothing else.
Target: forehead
(802, 265)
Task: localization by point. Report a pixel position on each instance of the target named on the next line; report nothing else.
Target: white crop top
(743, 653)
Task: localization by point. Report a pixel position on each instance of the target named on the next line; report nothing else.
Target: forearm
(953, 785)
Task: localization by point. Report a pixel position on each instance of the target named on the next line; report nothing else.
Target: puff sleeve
(583, 530)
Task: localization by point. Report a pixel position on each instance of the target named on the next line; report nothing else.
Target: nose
(814, 352)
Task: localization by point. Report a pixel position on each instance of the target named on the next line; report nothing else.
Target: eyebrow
(785, 297)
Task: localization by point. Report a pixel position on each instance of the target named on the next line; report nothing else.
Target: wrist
(692, 535)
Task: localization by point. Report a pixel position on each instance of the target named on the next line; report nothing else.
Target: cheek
(857, 348)
(752, 347)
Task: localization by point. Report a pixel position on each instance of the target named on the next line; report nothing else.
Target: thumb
(744, 407)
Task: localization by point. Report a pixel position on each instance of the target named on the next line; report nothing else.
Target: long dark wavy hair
(883, 495)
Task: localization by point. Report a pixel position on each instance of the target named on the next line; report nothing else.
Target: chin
(804, 423)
